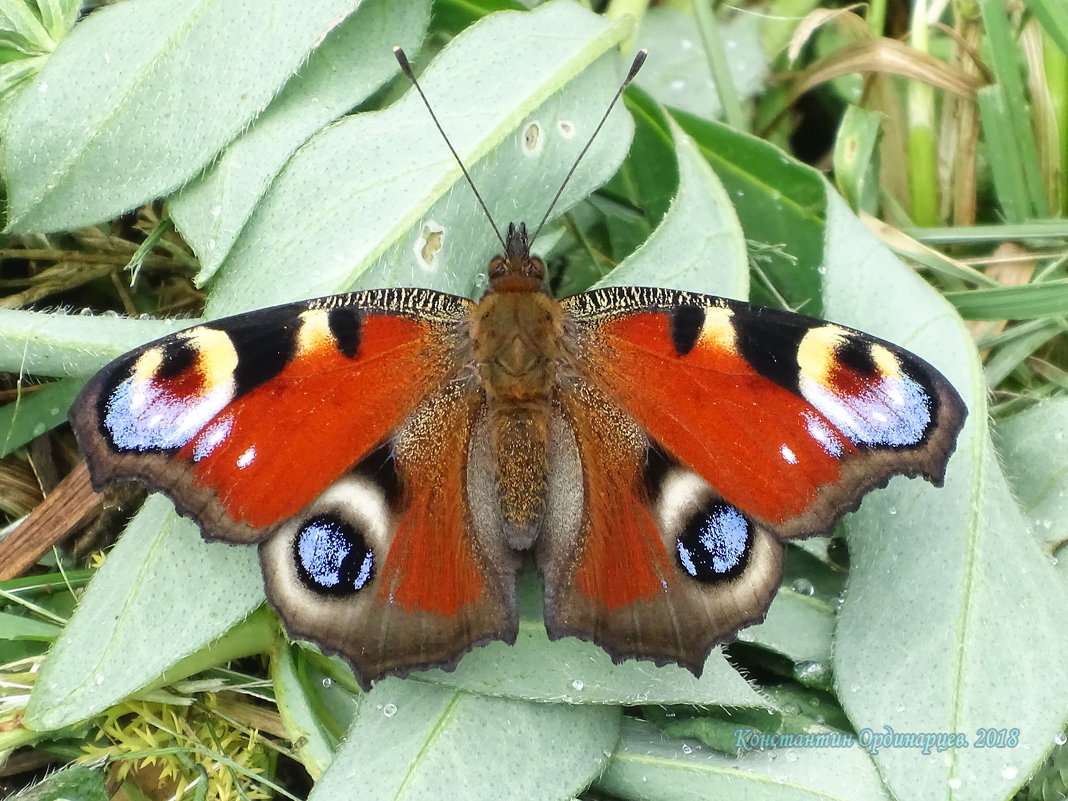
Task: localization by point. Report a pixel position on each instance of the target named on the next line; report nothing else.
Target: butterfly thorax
(516, 328)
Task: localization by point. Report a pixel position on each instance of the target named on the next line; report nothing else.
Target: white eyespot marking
(717, 545)
(429, 244)
(532, 139)
(359, 501)
(172, 392)
(247, 458)
(212, 437)
(172, 420)
(788, 455)
(326, 549)
(566, 129)
(888, 410)
(824, 435)
(880, 407)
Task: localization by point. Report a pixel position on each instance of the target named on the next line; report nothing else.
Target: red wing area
(722, 418)
(244, 421)
(790, 419)
(432, 564)
(621, 558)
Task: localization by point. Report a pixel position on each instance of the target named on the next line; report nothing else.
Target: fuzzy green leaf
(444, 743)
(140, 96)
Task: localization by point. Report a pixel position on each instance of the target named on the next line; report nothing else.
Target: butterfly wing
(708, 430)
(387, 566)
(314, 429)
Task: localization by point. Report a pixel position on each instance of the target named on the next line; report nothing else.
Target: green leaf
(320, 229)
(74, 783)
(573, 671)
(20, 627)
(452, 16)
(650, 766)
(699, 221)
(947, 592)
(21, 29)
(161, 595)
(35, 413)
(59, 16)
(1033, 301)
(304, 718)
(797, 626)
(418, 741)
(1031, 445)
(779, 202)
(678, 73)
(40, 344)
(142, 95)
(856, 158)
(212, 209)
(1054, 18)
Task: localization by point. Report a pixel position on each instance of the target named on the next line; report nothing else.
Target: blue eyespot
(333, 557)
(715, 543)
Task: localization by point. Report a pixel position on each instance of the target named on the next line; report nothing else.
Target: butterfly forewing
(243, 421)
(789, 418)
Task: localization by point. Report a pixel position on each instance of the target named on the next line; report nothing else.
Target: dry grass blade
(890, 57)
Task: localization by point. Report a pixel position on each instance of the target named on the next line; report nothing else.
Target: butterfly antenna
(406, 68)
(636, 65)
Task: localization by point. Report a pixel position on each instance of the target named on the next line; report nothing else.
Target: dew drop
(577, 685)
(328, 682)
(389, 710)
(803, 586)
(1009, 772)
(1061, 738)
(810, 672)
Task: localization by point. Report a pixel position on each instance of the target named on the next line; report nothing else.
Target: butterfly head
(517, 270)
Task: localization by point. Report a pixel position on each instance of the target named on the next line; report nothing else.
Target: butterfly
(396, 454)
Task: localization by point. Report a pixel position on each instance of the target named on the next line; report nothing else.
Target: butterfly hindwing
(626, 565)
(244, 421)
(385, 567)
(707, 430)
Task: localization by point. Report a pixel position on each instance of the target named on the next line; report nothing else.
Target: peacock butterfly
(396, 454)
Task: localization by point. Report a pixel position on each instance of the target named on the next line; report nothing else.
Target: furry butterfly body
(397, 454)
